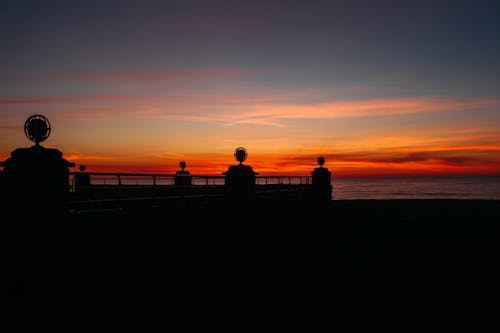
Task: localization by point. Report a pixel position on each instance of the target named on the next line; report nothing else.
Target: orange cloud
(230, 107)
(273, 114)
(269, 110)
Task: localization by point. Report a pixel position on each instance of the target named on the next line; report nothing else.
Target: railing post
(119, 180)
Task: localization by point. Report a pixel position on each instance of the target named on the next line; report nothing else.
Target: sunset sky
(376, 87)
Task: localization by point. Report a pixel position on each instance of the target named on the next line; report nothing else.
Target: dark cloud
(451, 157)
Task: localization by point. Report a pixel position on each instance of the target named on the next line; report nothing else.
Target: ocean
(484, 188)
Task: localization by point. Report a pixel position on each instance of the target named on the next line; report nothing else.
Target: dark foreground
(430, 264)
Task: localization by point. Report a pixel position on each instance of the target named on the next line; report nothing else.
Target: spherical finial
(82, 167)
(37, 128)
(321, 160)
(240, 154)
(182, 164)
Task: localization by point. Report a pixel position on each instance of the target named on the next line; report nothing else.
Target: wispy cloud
(274, 114)
(260, 109)
(9, 127)
(175, 74)
(147, 75)
(66, 100)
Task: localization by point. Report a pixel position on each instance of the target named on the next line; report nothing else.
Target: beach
(350, 263)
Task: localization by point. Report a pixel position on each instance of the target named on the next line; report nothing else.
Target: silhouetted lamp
(182, 177)
(321, 161)
(240, 154)
(240, 179)
(37, 128)
(37, 177)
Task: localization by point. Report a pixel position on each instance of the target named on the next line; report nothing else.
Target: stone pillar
(36, 180)
(82, 180)
(182, 177)
(240, 179)
(321, 183)
(240, 182)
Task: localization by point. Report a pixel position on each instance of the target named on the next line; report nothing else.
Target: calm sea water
(486, 188)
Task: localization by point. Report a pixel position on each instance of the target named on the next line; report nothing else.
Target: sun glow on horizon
(375, 164)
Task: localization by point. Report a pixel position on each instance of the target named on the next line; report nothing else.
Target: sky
(379, 88)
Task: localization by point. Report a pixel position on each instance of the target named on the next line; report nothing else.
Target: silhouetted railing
(99, 191)
(148, 180)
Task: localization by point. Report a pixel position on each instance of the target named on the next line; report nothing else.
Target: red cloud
(174, 74)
